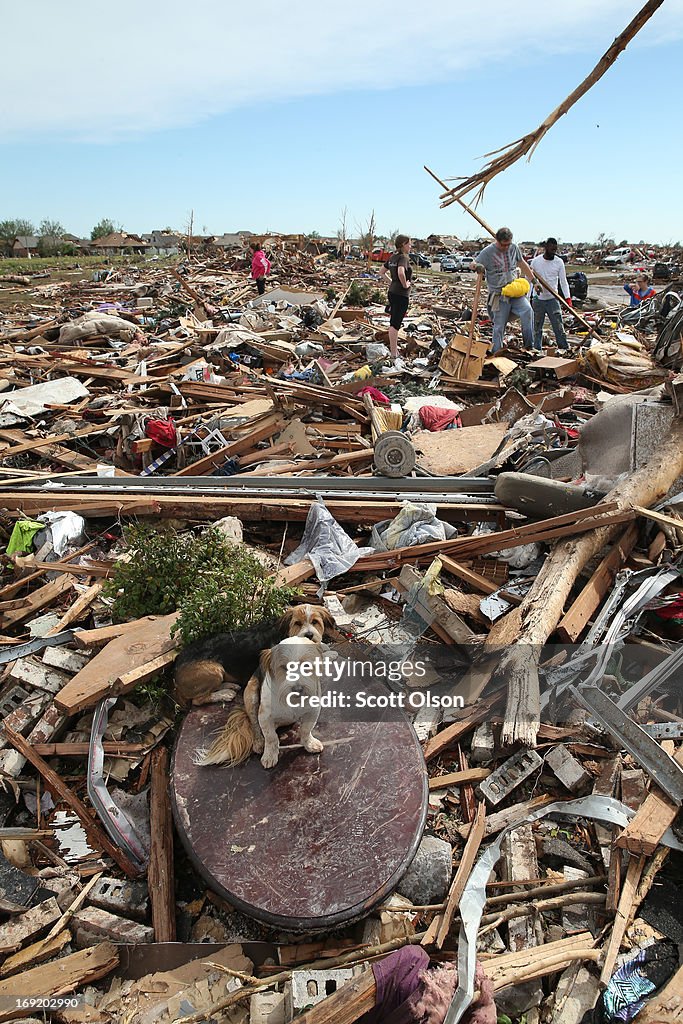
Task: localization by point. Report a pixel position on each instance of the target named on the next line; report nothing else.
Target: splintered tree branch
(514, 151)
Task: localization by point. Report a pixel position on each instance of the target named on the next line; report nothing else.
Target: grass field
(40, 264)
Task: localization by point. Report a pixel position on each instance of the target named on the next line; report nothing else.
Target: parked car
(418, 259)
(458, 264)
(624, 254)
(380, 255)
(448, 264)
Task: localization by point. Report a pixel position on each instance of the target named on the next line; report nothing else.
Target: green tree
(51, 239)
(13, 228)
(101, 230)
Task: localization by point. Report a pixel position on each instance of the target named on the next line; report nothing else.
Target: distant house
(230, 241)
(162, 243)
(119, 243)
(25, 245)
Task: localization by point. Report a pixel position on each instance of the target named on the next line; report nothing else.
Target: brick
(65, 659)
(483, 746)
(26, 715)
(92, 925)
(34, 675)
(567, 769)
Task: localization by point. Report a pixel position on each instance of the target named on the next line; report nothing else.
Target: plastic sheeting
(416, 523)
(325, 543)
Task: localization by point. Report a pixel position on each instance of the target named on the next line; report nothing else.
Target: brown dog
(228, 659)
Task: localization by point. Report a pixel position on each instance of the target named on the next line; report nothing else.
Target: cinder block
(510, 775)
(567, 769)
(119, 896)
(268, 1008)
(310, 987)
(92, 925)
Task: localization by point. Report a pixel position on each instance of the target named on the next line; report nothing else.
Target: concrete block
(65, 659)
(92, 925)
(34, 675)
(633, 787)
(579, 917)
(391, 924)
(567, 769)
(429, 875)
(42, 624)
(509, 775)
(231, 528)
(145, 303)
(483, 744)
(120, 896)
(268, 1008)
(311, 987)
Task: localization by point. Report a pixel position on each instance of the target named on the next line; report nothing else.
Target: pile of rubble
(519, 517)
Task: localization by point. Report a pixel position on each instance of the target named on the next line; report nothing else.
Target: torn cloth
(433, 418)
(408, 991)
(22, 536)
(634, 981)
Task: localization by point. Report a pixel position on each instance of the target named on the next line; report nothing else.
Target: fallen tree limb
(513, 152)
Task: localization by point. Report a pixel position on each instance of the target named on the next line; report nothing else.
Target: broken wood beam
(160, 872)
(462, 874)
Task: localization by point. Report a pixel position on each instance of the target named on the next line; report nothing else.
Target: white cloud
(92, 72)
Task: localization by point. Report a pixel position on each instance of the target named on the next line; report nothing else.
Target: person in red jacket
(260, 266)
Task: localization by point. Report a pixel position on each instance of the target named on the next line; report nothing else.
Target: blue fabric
(551, 308)
(512, 307)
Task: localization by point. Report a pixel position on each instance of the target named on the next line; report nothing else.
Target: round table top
(318, 840)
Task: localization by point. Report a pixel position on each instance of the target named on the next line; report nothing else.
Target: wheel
(394, 454)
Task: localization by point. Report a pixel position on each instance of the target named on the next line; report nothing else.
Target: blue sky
(274, 118)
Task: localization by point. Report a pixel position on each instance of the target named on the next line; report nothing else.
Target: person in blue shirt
(642, 291)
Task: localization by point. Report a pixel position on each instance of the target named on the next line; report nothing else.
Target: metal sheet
(15, 651)
(316, 841)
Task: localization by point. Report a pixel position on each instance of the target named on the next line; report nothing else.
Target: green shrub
(214, 584)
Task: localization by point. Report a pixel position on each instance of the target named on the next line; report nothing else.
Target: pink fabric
(375, 394)
(434, 418)
(260, 264)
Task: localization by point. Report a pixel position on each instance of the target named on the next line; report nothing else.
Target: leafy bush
(364, 294)
(214, 584)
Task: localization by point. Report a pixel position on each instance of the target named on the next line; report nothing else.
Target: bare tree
(368, 235)
(341, 233)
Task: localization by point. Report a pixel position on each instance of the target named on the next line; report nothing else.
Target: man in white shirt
(550, 269)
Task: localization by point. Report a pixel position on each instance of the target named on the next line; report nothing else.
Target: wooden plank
(210, 462)
(543, 530)
(96, 835)
(39, 599)
(120, 665)
(433, 607)
(59, 977)
(160, 870)
(583, 607)
(467, 575)
(346, 1005)
(454, 732)
(87, 638)
(462, 874)
(80, 605)
(45, 442)
(655, 815)
(458, 778)
(626, 903)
